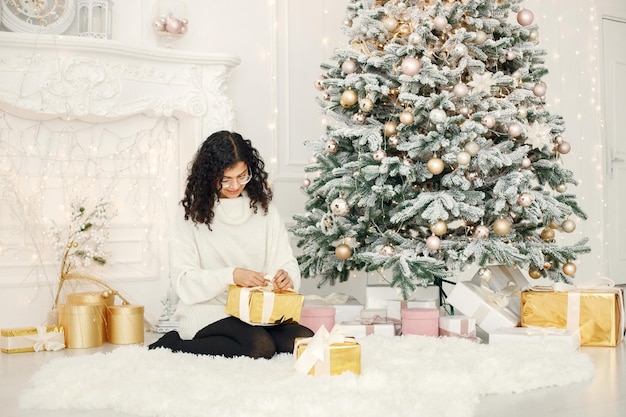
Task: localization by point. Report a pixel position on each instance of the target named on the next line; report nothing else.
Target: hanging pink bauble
(388, 250)
(514, 129)
(306, 182)
(489, 121)
(481, 232)
(410, 66)
(460, 90)
(348, 66)
(440, 22)
(564, 147)
(379, 155)
(331, 146)
(319, 84)
(539, 89)
(525, 199)
(340, 207)
(173, 25)
(433, 243)
(509, 56)
(359, 118)
(526, 162)
(464, 110)
(525, 17)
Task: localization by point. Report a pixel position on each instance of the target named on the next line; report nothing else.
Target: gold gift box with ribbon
(32, 339)
(264, 305)
(327, 354)
(598, 311)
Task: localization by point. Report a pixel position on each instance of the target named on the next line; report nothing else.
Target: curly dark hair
(219, 152)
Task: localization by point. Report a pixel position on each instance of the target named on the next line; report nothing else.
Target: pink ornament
(489, 121)
(433, 243)
(539, 89)
(564, 147)
(318, 83)
(526, 162)
(460, 90)
(440, 22)
(481, 232)
(306, 183)
(410, 66)
(525, 199)
(173, 25)
(348, 66)
(525, 17)
(510, 55)
(514, 129)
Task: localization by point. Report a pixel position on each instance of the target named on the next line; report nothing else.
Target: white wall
(281, 44)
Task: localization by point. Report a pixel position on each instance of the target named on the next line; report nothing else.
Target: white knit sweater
(202, 260)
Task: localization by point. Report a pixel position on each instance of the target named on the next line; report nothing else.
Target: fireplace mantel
(48, 76)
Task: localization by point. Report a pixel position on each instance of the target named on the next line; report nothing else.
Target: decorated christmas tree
(441, 153)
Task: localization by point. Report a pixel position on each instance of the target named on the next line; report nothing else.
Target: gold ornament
(569, 269)
(553, 225)
(348, 98)
(547, 234)
(390, 128)
(501, 227)
(366, 105)
(534, 273)
(435, 166)
(439, 228)
(343, 251)
(406, 117)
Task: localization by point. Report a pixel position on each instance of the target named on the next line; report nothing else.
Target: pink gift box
(314, 317)
(420, 321)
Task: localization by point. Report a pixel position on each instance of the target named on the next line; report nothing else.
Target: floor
(604, 396)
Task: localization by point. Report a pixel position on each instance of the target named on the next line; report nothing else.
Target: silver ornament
(339, 207)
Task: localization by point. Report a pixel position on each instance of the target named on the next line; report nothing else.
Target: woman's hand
(282, 280)
(247, 278)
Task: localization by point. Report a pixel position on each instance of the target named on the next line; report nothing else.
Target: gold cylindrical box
(125, 324)
(84, 325)
(95, 297)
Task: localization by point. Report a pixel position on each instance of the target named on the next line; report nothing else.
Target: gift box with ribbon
(486, 306)
(395, 307)
(506, 280)
(264, 305)
(596, 308)
(458, 326)
(347, 308)
(569, 337)
(377, 325)
(327, 353)
(379, 296)
(32, 339)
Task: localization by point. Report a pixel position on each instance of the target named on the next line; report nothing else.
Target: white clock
(38, 16)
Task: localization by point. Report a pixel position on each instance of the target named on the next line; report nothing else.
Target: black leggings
(232, 337)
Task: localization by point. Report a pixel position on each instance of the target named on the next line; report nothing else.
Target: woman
(228, 232)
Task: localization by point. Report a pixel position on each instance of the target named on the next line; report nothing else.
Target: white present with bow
(327, 353)
(32, 339)
(347, 308)
(506, 280)
(534, 334)
(488, 307)
(378, 296)
(378, 325)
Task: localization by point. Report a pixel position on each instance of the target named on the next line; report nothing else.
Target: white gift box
(377, 296)
(472, 300)
(569, 337)
(347, 308)
(507, 280)
(457, 326)
(359, 329)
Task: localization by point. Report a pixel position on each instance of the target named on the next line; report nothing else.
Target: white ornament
(482, 83)
(437, 116)
(538, 135)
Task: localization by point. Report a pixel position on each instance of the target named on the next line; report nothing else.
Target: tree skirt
(401, 376)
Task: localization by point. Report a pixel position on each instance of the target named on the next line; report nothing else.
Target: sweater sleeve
(193, 283)
(281, 255)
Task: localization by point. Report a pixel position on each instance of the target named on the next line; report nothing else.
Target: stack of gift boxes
(86, 320)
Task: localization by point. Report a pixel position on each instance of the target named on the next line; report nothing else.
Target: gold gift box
(600, 314)
(286, 305)
(343, 357)
(23, 339)
(125, 324)
(84, 324)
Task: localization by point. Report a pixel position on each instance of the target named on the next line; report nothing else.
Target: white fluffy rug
(401, 376)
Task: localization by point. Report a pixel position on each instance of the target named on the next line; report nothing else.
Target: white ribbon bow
(45, 340)
(317, 352)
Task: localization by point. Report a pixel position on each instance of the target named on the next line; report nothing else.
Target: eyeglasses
(241, 180)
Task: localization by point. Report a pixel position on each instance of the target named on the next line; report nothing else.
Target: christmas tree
(441, 153)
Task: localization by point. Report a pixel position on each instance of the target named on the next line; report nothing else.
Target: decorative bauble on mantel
(170, 20)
